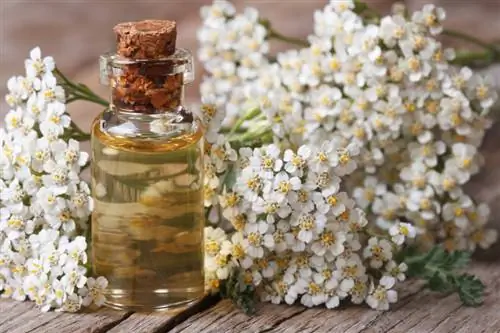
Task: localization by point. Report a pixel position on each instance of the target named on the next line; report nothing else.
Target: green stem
(85, 166)
(470, 39)
(76, 96)
(249, 115)
(475, 58)
(79, 91)
(77, 133)
(273, 34)
(251, 136)
(81, 137)
(366, 11)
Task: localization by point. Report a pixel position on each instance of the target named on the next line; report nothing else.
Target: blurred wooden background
(76, 32)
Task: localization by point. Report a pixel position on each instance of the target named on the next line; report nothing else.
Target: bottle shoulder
(129, 138)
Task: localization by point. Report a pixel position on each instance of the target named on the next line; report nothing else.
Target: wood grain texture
(287, 319)
(417, 311)
(161, 321)
(430, 312)
(24, 317)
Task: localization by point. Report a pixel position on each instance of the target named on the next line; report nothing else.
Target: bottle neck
(165, 125)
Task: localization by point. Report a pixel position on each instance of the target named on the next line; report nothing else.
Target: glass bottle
(147, 177)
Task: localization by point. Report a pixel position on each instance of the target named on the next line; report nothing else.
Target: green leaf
(242, 295)
(470, 290)
(230, 178)
(440, 283)
(441, 271)
(359, 6)
(456, 260)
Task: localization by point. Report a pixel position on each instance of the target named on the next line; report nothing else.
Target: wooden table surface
(417, 311)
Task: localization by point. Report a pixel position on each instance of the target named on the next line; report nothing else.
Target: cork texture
(148, 39)
(142, 91)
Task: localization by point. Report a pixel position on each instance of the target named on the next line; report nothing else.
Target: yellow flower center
(438, 55)
(456, 120)
(459, 211)
(253, 183)
(369, 194)
(430, 20)
(482, 92)
(448, 184)
(432, 106)
(278, 236)
(334, 64)
(49, 94)
(271, 208)
(232, 200)
(221, 260)
(297, 161)
(425, 204)
(403, 230)
(284, 186)
(359, 133)
(410, 107)
(414, 64)
(344, 158)
(212, 247)
(419, 182)
(466, 163)
(419, 42)
(302, 260)
(472, 216)
(213, 284)
(268, 163)
(345, 215)
(362, 104)
(399, 32)
(314, 288)
(431, 85)
(350, 271)
(254, 238)
(477, 236)
(327, 273)
(327, 238)
(237, 251)
(303, 196)
(239, 222)
(332, 200)
(427, 150)
(15, 223)
(307, 222)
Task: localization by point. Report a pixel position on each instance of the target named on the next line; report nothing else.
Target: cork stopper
(147, 74)
(148, 39)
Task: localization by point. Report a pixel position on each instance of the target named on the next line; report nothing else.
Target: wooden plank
(417, 311)
(23, 317)
(161, 321)
(429, 313)
(224, 317)
(282, 318)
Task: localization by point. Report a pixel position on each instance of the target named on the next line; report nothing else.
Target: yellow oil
(147, 224)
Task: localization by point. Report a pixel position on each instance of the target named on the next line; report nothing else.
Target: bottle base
(150, 302)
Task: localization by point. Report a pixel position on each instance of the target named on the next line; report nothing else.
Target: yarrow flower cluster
(298, 236)
(44, 204)
(378, 104)
(233, 49)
